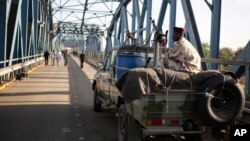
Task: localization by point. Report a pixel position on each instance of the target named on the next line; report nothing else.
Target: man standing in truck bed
(183, 56)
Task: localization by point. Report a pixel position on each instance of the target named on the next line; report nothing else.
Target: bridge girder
(24, 30)
(140, 24)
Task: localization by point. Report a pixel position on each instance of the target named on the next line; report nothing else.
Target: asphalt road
(54, 104)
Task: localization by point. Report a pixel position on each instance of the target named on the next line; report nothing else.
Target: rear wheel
(97, 102)
(128, 128)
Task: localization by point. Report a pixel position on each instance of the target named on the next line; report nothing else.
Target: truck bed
(171, 107)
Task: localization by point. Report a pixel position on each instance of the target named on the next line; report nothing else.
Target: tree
(237, 52)
(206, 50)
(226, 53)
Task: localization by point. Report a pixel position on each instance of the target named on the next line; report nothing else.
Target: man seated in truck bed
(183, 56)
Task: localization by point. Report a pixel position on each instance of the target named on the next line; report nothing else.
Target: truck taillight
(174, 122)
(150, 122)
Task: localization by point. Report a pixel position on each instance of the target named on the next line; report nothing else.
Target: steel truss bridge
(29, 27)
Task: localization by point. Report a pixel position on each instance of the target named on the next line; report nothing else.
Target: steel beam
(135, 28)
(141, 23)
(83, 15)
(13, 32)
(215, 31)
(24, 25)
(148, 21)
(162, 14)
(3, 8)
(247, 79)
(19, 34)
(172, 21)
(191, 19)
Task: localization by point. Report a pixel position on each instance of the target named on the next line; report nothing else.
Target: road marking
(81, 138)
(66, 130)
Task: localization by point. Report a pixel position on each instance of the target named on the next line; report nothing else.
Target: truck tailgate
(171, 105)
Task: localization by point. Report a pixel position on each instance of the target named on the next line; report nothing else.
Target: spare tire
(220, 100)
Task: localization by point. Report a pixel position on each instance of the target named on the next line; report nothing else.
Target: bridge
(30, 27)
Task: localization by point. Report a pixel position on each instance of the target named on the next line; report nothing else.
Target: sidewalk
(50, 84)
(54, 104)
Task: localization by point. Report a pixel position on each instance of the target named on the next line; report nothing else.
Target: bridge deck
(54, 104)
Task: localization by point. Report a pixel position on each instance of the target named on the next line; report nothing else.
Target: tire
(97, 102)
(128, 128)
(222, 106)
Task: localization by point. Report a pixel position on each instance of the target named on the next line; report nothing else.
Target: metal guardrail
(20, 66)
(238, 63)
(245, 118)
(228, 62)
(93, 57)
(92, 61)
(23, 58)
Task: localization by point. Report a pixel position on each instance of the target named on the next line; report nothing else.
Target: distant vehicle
(214, 101)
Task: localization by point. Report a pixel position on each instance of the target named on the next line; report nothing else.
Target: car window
(106, 61)
(110, 61)
(147, 59)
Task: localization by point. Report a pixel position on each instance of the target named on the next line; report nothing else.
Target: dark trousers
(82, 63)
(66, 61)
(46, 61)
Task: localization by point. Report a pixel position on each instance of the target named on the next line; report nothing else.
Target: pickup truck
(193, 106)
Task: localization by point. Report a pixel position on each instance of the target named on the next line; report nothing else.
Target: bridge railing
(245, 69)
(94, 57)
(7, 73)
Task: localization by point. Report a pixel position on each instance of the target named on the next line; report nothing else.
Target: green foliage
(248, 97)
(206, 50)
(226, 53)
(237, 52)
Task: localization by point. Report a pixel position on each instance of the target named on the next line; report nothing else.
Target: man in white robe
(183, 56)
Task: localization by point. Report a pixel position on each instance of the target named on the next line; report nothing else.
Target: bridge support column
(215, 31)
(247, 79)
(2, 33)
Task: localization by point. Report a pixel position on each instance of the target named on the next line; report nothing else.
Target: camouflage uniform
(183, 57)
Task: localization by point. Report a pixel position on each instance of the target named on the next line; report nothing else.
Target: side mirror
(100, 66)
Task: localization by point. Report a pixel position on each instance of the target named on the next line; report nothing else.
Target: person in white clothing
(183, 56)
(53, 57)
(58, 57)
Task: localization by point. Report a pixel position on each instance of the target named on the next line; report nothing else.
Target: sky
(235, 21)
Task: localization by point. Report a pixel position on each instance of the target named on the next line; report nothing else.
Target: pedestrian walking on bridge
(66, 57)
(82, 57)
(46, 57)
(58, 57)
(53, 56)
